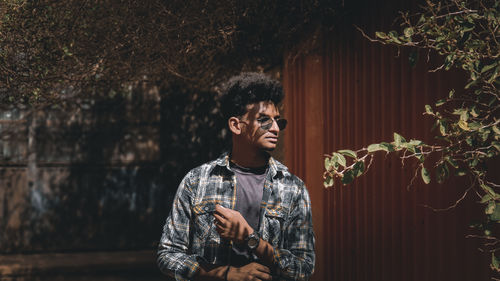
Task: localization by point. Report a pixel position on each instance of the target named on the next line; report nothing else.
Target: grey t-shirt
(249, 189)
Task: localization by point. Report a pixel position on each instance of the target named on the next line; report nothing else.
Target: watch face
(252, 242)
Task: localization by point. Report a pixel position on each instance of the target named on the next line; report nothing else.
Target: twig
(368, 37)
(481, 237)
(457, 13)
(437, 69)
(452, 206)
(413, 178)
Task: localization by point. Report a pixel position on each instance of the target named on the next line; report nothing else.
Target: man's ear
(234, 125)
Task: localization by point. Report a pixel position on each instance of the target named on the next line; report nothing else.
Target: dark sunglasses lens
(282, 123)
(268, 123)
(266, 126)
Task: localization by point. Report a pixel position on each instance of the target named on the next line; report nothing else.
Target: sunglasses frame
(266, 125)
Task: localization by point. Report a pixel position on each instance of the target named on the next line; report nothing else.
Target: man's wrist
(242, 238)
(252, 241)
(266, 253)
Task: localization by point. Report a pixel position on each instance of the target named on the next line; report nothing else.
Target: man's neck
(249, 158)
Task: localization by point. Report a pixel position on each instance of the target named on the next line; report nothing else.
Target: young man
(243, 216)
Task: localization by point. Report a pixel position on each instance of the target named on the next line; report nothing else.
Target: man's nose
(275, 128)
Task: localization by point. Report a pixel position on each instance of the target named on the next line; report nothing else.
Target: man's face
(252, 131)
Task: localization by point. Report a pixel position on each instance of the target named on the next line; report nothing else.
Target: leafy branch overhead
(52, 51)
(466, 34)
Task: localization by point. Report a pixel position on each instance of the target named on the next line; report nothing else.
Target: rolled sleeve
(188, 268)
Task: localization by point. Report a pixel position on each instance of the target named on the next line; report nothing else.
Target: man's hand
(251, 271)
(231, 225)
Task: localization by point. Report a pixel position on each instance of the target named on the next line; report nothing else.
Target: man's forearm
(301, 269)
(211, 272)
(265, 253)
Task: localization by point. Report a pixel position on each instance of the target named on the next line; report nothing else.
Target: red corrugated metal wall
(353, 93)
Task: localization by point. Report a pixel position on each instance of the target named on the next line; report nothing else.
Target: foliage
(466, 34)
(53, 51)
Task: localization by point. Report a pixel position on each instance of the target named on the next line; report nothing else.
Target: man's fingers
(219, 228)
(262, 275)
(221, 210)
(263, 268)
(219, 219)
(222, 233)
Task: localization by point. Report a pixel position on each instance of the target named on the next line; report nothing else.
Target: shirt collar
(275, 167)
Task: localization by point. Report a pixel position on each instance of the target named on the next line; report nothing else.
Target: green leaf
(334, 161)
(374, 147)
(485, 133)
(348, 177)
(442, 172)
(328, 163)
(358, 168)
(381, 35)
(496, 145)
(408, 32)
(459, 111)
(486, 198)
(422, 19)
(341, 159)
(409, 147)
(451, 93)
(420, 157)
(473, 163)
(474, 126)
(496, 130)
(490, 208)
(328, 181)
(398, 139)
(490, 191)
(463, 124)
(415, 142)
(448, 61)
(470, 84)
(464, 115)
(428, 109)
(495, 263)
(443, 127)
(425, 175)
(393, 36)
(388, 147)
(494, 74)
(349, 153)
(440, 102)
(488, 67)
(452, 162)
(470, 141)
(495, 216)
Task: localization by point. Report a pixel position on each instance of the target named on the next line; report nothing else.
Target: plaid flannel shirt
(189, 235)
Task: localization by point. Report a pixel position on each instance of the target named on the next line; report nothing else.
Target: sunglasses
(267, 122)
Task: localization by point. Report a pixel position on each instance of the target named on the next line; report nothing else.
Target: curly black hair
(247, 88)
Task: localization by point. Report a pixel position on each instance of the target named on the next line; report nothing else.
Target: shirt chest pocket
(204, 226)
(205, 239)
(275, 219)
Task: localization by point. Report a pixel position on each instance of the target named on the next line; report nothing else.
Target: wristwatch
(253, 241)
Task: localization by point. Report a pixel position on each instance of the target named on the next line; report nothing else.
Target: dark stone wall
(100, 175)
